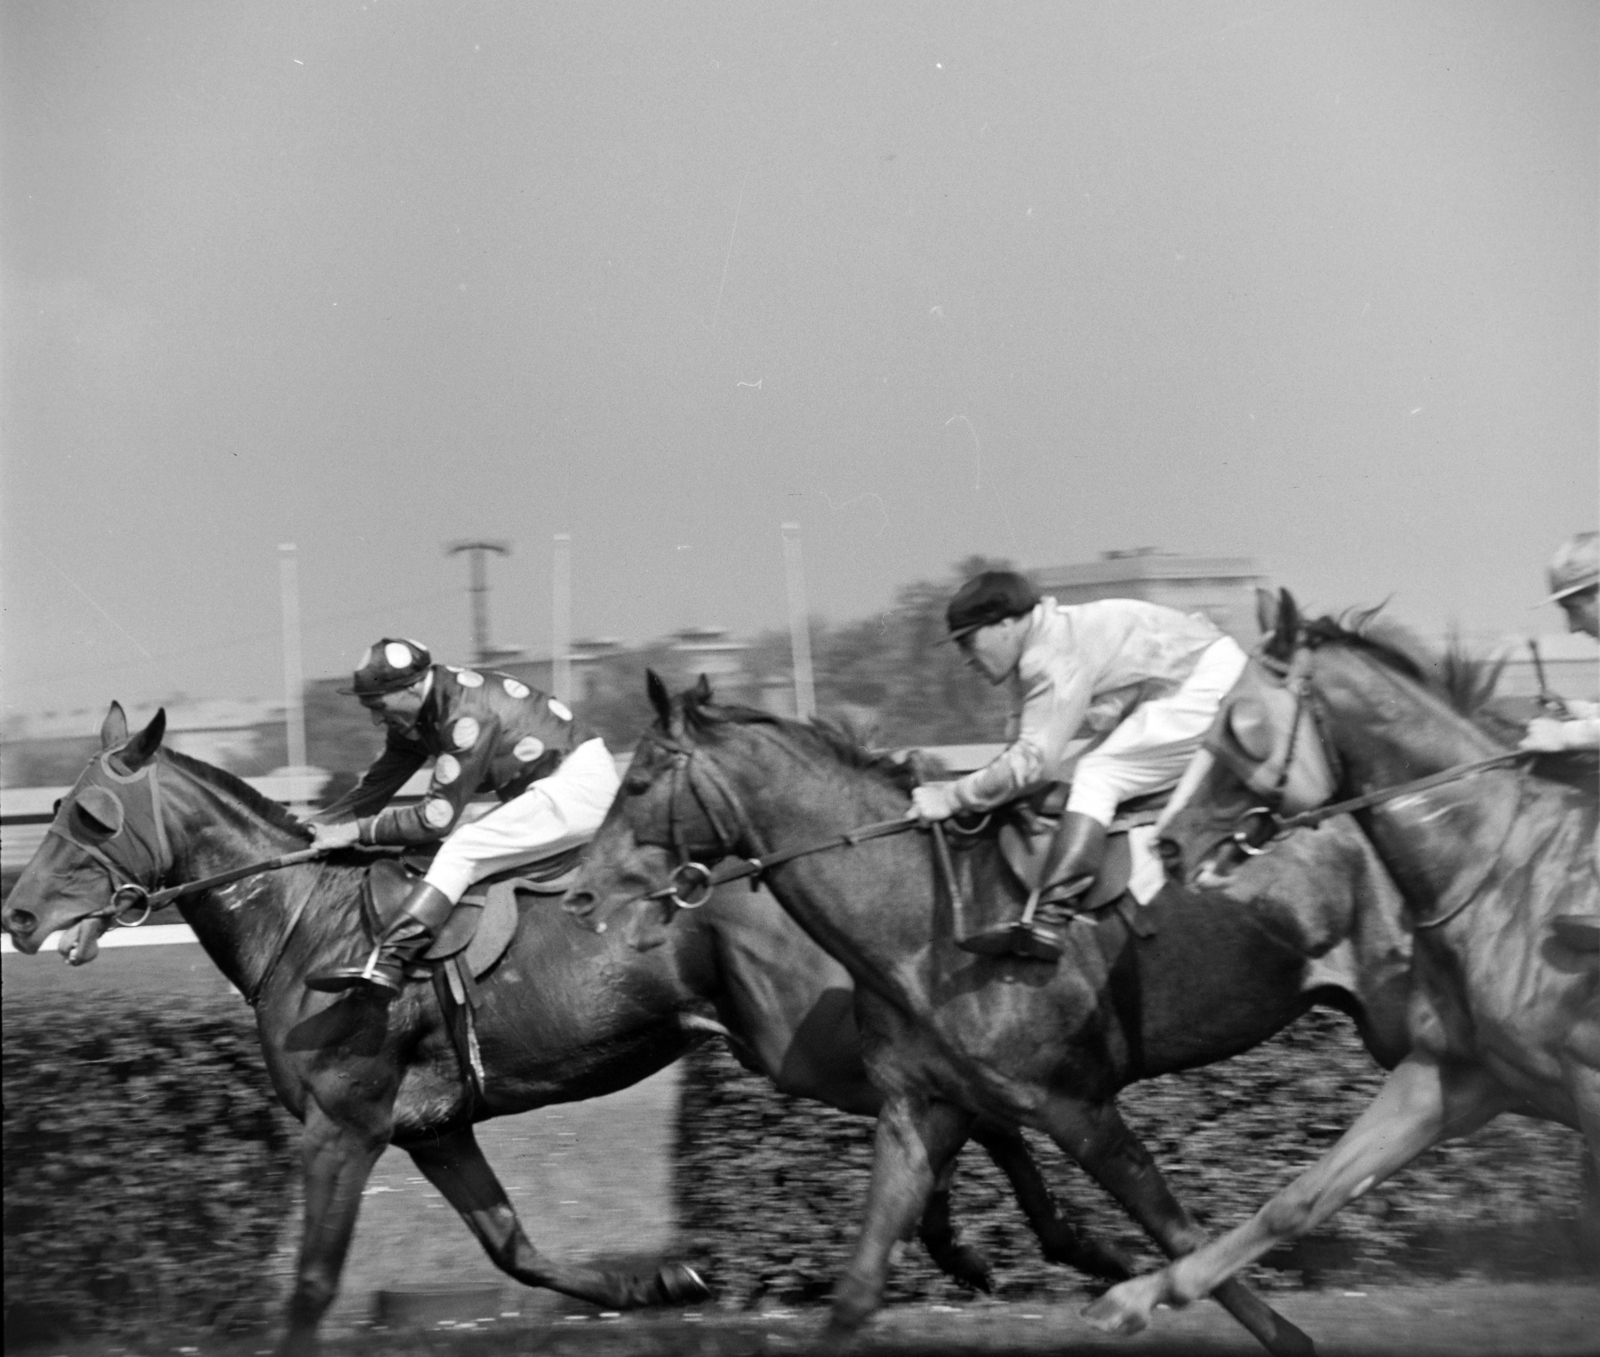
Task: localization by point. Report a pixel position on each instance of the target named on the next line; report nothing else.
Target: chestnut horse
(1498, 868)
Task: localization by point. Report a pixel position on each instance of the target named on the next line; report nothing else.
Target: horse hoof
(971, 1269)
(680, 1284)
(1110, 1315)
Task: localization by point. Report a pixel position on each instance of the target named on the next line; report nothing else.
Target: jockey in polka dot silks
(486, 732)
(1117, 694)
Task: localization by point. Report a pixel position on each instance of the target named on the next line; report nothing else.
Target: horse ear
(1266, 611)
(702, 691)
(1285, 627)
(1288, 619)
(114, 729)
(142, 747)
(660, 699)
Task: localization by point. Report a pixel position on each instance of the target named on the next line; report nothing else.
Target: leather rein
(691, 883)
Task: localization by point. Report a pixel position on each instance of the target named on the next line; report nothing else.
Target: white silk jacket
(1083, 668)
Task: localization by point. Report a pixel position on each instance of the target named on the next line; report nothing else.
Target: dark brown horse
(565, 1016)
(949, 1036)
(1506, 1008)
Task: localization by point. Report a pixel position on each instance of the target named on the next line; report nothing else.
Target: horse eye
(1251, 728)
(92, 822)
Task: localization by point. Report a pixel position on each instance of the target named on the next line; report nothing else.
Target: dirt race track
(1460, 1319)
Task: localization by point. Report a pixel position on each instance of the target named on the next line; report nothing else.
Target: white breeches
(554, 814)
(1153, 745)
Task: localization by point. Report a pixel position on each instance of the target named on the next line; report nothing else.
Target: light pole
(805, 695)
(561, 620)
(294, 709)
(479, 589)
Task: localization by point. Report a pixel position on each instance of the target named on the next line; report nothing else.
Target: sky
(1313, 284)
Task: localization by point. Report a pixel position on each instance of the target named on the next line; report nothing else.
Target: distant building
(243, 735)
(1221, 587)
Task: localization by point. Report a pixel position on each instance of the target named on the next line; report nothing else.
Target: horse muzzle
(23, 926)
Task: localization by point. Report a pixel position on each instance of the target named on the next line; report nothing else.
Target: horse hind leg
(455, 1165)
(1059, 1239)
(1096, 1136)
(942, 1238)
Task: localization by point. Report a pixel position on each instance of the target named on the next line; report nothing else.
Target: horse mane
(818, 737)
(240, 790)
(1465, 681)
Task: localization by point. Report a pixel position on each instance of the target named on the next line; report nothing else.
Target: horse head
(107, 845)
(1325, 709)
(653, 853)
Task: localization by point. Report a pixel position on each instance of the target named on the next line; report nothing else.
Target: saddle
(1025, 829)
(475, 937)
(480, 928)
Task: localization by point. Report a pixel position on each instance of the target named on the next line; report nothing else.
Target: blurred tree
(893, 672)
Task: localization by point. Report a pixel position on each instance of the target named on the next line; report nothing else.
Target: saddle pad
(1131, 862)
(481, 926)
(1025, 853)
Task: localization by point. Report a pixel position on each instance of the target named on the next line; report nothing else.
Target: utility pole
(561, 621)
(294, 710)
(805, 696)
(479, 589)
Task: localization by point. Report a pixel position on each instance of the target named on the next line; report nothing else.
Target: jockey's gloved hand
(335, 836)
(935, 801)
(1547, 736)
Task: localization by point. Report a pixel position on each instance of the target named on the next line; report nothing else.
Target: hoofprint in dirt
(1457, 1319)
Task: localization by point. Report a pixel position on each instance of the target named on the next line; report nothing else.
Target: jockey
(1143, 683)
(487, 733)
(1574, 584)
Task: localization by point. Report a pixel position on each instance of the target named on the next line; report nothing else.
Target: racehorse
(566, 1015)
(948, 1035)
(1493, 860)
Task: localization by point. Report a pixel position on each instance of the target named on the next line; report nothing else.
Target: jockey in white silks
(1127, 687)
(1574, 584)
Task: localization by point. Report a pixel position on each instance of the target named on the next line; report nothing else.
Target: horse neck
(1389, 730)
(870, 914)
(213, 829)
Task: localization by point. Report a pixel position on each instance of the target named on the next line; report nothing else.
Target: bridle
(130, 893)
(691, 882)
(1248, 836)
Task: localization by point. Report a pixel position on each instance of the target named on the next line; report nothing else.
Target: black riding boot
(1069, 870)
(401, 944)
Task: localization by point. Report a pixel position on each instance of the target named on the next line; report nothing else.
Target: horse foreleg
(1096, 1136)
(1060, 1240)
(1419, 1105)
(338, 1158)
(1584, 1079)
(915, 1140)
(455, 1165)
